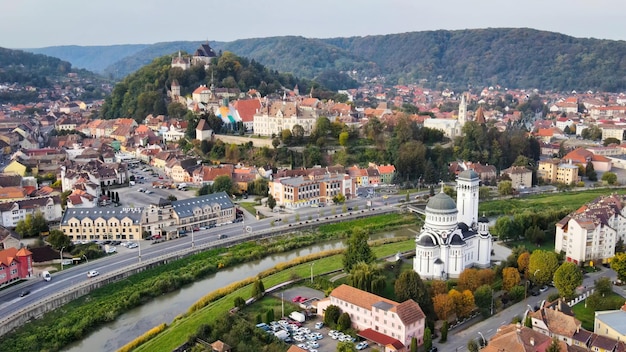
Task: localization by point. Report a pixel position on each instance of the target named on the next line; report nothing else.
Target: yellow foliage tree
(439, 287)
(463, 302)
(469, 279)
(443, 305)
(510, 278)
(522, 263)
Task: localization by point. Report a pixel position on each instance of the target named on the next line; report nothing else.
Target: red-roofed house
(387, 173)
(582, 156)
(15, 264)
(397, 321)
(246, 110)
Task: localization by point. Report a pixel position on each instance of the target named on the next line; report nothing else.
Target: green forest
(509, 57)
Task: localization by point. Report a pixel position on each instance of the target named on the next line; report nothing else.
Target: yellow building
(89, 224)
(15, 167)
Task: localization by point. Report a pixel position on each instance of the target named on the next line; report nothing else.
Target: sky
(42, 23)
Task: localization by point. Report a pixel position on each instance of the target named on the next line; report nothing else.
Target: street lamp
(139, 247)
(62, 248)
(192, 242)
(84, 256)
(313, 263)
(484, 340)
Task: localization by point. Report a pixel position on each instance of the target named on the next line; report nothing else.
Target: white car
(362, 345)
(132, 245)
(111, 250)
(92, 273)
(303, 346)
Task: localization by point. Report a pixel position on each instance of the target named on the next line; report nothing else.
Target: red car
(303, 299)
(296, 299)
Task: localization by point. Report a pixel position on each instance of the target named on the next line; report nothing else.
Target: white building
(373, 316)
(451, 128)
(591, 232)
(281, 116)
(453, 237)
(49, 207)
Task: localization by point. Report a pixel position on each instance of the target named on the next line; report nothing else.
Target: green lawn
(180, 329)
(546, 246)
(249, 206)
(586, 315)
(555, 201)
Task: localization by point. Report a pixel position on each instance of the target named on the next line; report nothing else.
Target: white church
(453, 236)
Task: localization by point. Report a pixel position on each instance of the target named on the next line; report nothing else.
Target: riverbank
(181, 328)
(57, 329)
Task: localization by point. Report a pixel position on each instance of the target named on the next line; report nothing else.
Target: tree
(466, 305)
(414, 343)
(223, 183)
(286, 136)
(269, 315)
(366, 277)
(239, 302)
(344, 322)
(297, 131)
(505, 188)
(438, 287)
(444, 332)
(522, 263)
(204, 190)
(357, 250)
(343, 139)
(472, 346)
(258, 289)
(469, 280)
(604, 286)
(275, 142)
(409, 285)
(610, 141)
(535, 235)
(618, 263)
(609, 177)
(428, 339)
(346, 346)
(58, 239)
(541, 266)
(554, 346)
(503, 228)
(484, 300)
(443, 306)
(172, 198)
(590, 172)
(510, 278)
(566, 278)
(271, 202)
(331, 316)
(517, 293)
(339, 199)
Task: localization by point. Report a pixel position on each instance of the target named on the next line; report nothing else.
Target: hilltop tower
(462, 110)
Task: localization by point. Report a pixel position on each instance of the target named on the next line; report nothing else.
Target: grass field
(546, 246)
(567, 200)
(249, 206)
(180, 329)
(586, 315)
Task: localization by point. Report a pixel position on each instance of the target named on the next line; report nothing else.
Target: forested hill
(510, 57)
(24, 68)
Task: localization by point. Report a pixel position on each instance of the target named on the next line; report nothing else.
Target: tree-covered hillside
(92, 58)
(145, 91)
(24, 68)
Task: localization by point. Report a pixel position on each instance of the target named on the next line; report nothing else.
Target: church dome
(441, 201)
(426, 241)
(468, 174)
(457, 241)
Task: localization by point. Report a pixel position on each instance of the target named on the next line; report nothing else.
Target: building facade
(91, 224)
(15, 264)
(453, 236)
(401, 321)
(305, 191)
(591, 232)
(49, 207)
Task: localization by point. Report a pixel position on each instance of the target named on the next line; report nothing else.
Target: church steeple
(462, 110)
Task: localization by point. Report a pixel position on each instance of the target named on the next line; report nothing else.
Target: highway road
(11, 302)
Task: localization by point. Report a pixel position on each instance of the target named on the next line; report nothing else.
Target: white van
(46, 276)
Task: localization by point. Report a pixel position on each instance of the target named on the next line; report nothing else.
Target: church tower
(462, 111)
(467, 185)
(175, 87)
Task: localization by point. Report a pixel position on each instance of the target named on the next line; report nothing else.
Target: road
(459, 337)
(10, 302)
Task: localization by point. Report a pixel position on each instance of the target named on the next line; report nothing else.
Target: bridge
(417, 208)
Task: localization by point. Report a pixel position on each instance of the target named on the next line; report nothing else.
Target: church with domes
(453, 236)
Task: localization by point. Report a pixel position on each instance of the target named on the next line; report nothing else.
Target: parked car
(362, 345)
(24, 293)
(296, 299)
(544, 288)
(319, 325)
(132, 245)
(92, 273)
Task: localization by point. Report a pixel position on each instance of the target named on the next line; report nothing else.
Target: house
(387, 173)
(582, 156)
(520, 176)
(15, 264)
(203, 131)
(246, 108)
(486, 173)
(9, 239)
(219, 346)
(515, 337)
(12, 212)
(611, 323)
(280, 115)
(207, 174)
(304, 191)
(373, 315)
(15, 167)
(554, 170)
(451, 128)
(591, 232)
(557, 321)
(207, 210)
(8, 194)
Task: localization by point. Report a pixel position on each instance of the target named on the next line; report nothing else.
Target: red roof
(247, 108)
(380, 339)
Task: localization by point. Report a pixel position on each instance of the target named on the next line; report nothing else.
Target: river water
(164, 309)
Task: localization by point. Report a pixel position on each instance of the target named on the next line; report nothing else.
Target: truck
(46, 275)
(281, 335)
(182, 185)
(297, 316)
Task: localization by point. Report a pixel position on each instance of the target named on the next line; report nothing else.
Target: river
(164, 309)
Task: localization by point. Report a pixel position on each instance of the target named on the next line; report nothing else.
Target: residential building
(9, 239)
(582, 156)
(515, 337)
(520, 176)
(160, 218)
(12, 212)
(387, 173)
(556, 320)
(613, 131)
(15, 264)
(591, 232)
(203, 131)
(453, 236)
(554, 171)
(88, 224)
(611, 323)
(10, 194)
(208, 210)
(372, 315)
(486, 173)
(303, 191)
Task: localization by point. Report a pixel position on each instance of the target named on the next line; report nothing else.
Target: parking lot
(310, 334)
